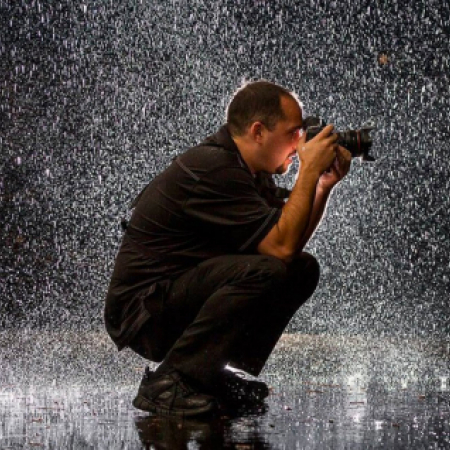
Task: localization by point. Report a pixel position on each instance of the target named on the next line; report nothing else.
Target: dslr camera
(357, 142)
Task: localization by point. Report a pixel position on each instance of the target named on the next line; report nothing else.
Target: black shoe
(170, 394)
(233, 387)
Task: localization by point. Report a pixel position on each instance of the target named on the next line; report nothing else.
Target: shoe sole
(145, 405)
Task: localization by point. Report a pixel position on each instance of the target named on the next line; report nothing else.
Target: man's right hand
(318, 153)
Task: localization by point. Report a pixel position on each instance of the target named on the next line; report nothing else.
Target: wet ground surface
(69, 391)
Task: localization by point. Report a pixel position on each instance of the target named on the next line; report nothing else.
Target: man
(211, 267)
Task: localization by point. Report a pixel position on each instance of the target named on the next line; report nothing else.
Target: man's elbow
(274, 245)
(279, 252)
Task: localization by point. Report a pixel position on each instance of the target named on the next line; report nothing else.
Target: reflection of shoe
(170, 394)
(232, 386)
(171, 433)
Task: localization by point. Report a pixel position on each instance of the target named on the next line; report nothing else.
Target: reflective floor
(71, 391)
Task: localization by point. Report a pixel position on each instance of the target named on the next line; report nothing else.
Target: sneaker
(170, 394)
(233, 386)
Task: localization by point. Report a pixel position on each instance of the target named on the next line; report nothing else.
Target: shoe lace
(180, 389)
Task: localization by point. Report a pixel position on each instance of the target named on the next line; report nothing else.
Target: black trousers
(231, 310)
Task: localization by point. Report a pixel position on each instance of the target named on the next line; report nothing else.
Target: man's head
(264, 120)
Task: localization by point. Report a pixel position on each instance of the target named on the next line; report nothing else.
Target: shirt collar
(224, 139)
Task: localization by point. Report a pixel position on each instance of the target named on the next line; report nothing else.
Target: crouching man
(211, 269)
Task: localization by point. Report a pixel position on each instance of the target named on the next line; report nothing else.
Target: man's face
(280, 144)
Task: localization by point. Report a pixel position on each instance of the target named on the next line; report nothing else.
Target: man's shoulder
(211, 156)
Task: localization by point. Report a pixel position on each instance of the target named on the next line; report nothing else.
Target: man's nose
(299, 137)
(296, 135)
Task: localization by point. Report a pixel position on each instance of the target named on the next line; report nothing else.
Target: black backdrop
(97, 97)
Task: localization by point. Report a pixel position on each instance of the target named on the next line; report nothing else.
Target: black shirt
(205, 204)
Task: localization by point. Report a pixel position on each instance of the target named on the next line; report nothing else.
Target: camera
(357, 142)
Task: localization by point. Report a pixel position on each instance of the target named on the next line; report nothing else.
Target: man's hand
(337, 171)
(318, 153)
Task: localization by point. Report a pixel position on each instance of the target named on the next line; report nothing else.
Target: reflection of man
(211, 268)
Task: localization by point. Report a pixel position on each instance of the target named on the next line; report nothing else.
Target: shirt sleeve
(227, 206)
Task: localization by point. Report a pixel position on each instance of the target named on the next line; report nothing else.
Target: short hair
(257, 101)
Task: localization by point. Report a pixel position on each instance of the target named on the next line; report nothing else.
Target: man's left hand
(337, 171)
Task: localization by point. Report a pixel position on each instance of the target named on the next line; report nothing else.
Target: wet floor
(69, 391)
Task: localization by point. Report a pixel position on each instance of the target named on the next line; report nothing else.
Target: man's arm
(320, 201)
(325, 185)
(316, 155)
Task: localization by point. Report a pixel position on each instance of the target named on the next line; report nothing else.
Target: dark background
(97, 97)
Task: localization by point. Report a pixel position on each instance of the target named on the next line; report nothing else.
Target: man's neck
(247, 153)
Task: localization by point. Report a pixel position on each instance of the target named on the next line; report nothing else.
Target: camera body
(357, 142)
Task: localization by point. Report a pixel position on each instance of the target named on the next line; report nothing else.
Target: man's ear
(256, 131)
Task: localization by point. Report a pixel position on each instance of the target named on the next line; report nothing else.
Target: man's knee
(271, 269)
(312, 266)
(307, 266)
